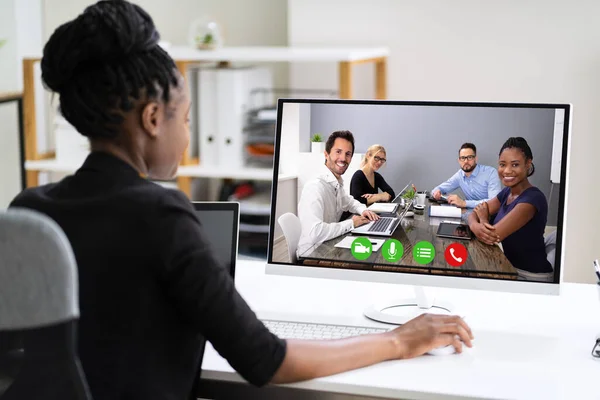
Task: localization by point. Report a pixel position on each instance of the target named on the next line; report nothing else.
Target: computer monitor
(221, 221)
(423, 143)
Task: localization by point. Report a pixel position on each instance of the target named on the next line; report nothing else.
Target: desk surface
(526, 346)
(483, 260)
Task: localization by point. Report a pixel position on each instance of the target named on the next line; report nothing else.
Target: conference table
(483, 261)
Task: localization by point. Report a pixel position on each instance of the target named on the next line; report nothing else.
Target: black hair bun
(105, 32)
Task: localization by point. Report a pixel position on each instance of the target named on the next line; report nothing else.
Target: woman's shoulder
(533, 194)
(358, 174)
(157, 197)
(503, 194)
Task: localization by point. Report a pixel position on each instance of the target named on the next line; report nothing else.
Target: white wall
(472, 50)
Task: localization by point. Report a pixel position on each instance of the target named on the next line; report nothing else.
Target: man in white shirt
(323, 199)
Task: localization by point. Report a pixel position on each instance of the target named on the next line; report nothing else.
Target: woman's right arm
(306, 359)
(205, 298)
(479, 221)
(387, 193)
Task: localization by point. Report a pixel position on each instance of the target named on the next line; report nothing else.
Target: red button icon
(456, 254)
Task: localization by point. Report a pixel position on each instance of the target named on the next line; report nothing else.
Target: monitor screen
(220, 221)
(499, 168)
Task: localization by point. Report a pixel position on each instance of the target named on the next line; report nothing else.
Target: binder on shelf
(233, 102)
(207, 117)
(224, 99)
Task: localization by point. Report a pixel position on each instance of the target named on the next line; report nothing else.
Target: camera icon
(361, 249)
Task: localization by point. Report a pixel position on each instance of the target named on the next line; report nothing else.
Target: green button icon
(361, 248)
(392, 250)
(424, 252)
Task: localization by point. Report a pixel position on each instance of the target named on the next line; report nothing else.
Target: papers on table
(346, 242)
(445, 211)
(383, 207)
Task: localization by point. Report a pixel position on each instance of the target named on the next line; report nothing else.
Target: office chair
(290, 225)
(550, 243)
(39, 301)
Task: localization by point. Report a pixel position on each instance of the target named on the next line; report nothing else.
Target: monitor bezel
(478, 283)
(225, 206)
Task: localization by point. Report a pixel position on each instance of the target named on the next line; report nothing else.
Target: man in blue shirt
(478, 182)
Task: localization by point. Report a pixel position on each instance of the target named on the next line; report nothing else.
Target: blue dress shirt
(483, 184)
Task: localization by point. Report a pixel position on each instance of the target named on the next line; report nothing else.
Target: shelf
(52, 166)
(193, 171)
(197, 171)
(278, 54)
(257, 204)
(254, 228)
(185, 57)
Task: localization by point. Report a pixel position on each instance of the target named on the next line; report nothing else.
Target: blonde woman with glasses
(366, 183)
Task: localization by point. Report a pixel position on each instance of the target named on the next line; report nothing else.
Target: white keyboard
(306, 330)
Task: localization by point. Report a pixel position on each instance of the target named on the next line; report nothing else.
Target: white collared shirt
(321, 205)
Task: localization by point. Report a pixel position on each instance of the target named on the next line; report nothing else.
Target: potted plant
(206, 42)
(410, 194)
(317, 144)
(409, 197)
(205, 34)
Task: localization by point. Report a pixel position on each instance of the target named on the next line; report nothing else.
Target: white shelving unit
(186, 57)
(194, 171)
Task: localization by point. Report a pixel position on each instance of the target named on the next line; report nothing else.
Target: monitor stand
(401, 311)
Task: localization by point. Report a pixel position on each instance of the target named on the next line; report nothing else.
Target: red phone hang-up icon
(456, 254)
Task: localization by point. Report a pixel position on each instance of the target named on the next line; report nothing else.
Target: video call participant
(324, 200)
(521, 212)
(478, 182)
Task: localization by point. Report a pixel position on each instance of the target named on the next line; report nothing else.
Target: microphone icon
(392, 250)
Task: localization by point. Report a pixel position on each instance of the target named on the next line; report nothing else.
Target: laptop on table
(220, 221)
(384, 226)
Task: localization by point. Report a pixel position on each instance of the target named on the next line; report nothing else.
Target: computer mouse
(409, 214)
(442, 351)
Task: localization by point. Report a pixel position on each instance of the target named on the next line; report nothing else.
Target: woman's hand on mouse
(430, 331)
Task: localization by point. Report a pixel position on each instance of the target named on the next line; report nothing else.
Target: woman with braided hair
(150, 288)
(520, 214)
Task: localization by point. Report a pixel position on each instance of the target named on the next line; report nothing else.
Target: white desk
(526, 346)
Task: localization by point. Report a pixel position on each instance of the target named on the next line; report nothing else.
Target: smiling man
(323, 199)
(478, 182)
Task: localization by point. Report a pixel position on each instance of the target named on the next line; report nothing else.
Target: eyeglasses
(596, 349)
(379, 159)
(465, 158)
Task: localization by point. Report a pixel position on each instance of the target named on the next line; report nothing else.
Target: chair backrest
(290, 225)
(39, 301)
(550, 243)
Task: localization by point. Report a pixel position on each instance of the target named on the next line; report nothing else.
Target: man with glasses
(479, 183)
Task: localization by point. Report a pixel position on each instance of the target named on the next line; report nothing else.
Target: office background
(460, 50)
